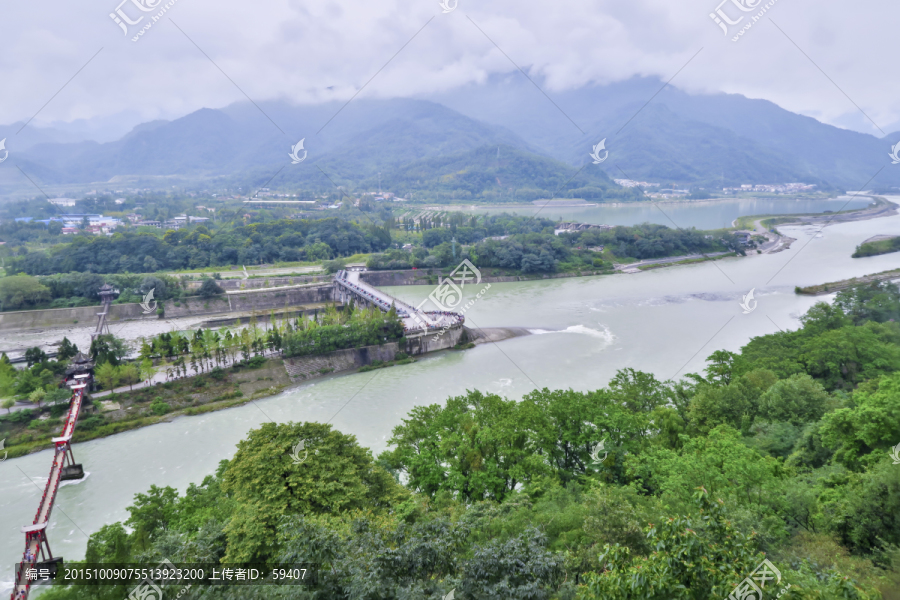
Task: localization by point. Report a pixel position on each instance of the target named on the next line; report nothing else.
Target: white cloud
(314, 51)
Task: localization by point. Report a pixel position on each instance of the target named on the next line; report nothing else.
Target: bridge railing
(45, 506)
(365, 294)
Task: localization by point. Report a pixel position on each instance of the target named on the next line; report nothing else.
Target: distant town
(769, 188)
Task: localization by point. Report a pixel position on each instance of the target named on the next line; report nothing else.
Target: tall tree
(266, 481)
(66, 350)
(107, 375)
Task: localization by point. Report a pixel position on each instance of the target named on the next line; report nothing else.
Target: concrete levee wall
(59, 317)
(307, 367)
(259, 300)
(193, 306)
(262, 282)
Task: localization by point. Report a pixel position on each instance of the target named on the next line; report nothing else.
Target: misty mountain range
(504, 136)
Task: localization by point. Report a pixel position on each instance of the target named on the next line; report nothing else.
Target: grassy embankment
(836, 286)
(207, 392)
(688, 261)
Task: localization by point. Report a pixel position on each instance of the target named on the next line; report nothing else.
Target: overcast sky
(314, 50)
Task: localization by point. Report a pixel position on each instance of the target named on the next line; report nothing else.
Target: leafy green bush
(159, 408)
(21, 416)
(91, 422)
(256, 362)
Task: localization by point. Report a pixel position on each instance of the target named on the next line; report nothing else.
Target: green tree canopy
(108, 348)
(878, 301)
(21, 291)
(337, 475)
(107, 375)
(66, 350)
(210, 288)
(798, 399)
(471, 448)
(870, 424)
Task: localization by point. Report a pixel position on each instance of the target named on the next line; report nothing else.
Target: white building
(62, 201)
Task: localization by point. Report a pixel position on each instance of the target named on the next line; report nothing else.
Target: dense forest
(545, 252)
(66, 290)
(522, 243)
(779, 452)
(289, 240)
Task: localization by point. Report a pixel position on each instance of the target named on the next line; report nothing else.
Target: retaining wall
(194, 306)
(250, 301)
(60, 317)
(250, 284)
(308, 367)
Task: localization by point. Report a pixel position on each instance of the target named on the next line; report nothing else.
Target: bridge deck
(414, 318)
(42, 517)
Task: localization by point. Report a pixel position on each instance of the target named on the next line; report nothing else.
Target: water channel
(707, 214)
(665, 321)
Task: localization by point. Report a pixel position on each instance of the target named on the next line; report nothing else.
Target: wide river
(665, 321)
(712, 214)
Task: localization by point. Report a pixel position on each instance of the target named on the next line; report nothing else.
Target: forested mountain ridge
(697, 140)
(689, 128)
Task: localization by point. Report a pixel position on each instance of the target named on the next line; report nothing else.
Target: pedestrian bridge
(348, 285)
(37, 556)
